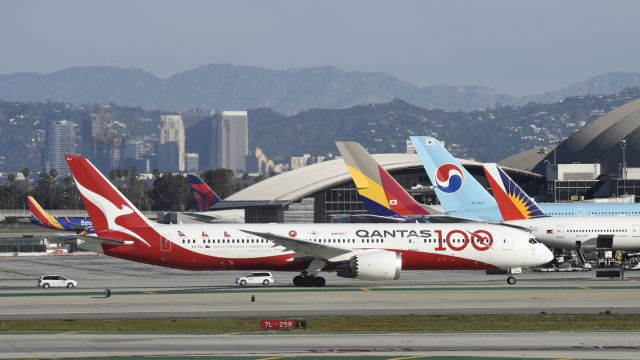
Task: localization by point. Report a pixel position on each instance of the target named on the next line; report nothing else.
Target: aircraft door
(559, 231)
(507, 242)
(165, 242)
(635, 230)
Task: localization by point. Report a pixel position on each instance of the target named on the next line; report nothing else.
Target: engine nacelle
(374, 265)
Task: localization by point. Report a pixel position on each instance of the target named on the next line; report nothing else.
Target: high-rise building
(172, 130)
(108, 151)
(300, 161)
(191, 161)
(134, 149)
(167, 156)
(234, 140)
(60, 140)
(202, 139)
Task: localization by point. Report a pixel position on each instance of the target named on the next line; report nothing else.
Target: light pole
(623, 146)
(556, 143)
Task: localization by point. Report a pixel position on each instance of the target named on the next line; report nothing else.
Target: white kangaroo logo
(111, 212)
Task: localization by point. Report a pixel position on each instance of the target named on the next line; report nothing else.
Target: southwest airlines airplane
(362, 251)
(67, 223)
(461, 195)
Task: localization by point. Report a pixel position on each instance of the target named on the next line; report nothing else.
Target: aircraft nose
(547, 255)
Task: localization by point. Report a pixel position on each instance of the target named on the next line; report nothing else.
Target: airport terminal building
(318, 192)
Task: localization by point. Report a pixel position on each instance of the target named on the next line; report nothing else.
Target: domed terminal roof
(597, 142)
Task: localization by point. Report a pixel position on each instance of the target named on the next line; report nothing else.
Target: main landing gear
(511, 280)
(309, 277)
(309, 281)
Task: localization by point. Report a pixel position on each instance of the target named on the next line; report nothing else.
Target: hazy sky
(518, 47)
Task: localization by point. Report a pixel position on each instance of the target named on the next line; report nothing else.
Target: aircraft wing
(368, 218)
(201, 217)
(302, 247)
(441, 218)
(433, 218)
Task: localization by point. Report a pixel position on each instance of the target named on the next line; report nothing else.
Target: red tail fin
(109, 210)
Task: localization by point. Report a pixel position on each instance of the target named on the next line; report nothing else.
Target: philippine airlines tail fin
(112, 214)
(456, 188)
(41, 217)
(205, 197)
(381, 193)
(513, 202)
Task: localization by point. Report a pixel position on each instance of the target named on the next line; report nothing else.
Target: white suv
(264, 278)
(48, 281)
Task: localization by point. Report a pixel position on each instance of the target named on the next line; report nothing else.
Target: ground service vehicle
(47, 281)
(255, 278)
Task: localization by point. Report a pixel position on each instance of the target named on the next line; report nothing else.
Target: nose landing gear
(511, 280)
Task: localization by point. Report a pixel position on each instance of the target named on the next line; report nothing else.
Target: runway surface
(142, 291)
(585, 345)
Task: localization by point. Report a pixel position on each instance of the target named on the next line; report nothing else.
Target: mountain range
(225, 86)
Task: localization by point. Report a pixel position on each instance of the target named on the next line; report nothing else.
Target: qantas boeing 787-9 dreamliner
(362, 251)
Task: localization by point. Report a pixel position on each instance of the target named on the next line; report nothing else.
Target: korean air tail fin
(456, 188)
(380, 192)
(205, 197)
(109, 210)
(513, 202)
(40, 217)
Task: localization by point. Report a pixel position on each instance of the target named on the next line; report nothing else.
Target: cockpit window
(533, 241)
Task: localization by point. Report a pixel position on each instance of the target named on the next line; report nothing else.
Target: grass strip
(539, 322)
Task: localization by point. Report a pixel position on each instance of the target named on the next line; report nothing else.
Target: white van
(264, 278)
(47, 281)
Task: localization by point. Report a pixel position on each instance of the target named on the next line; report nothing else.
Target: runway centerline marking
(294, 290)
(406, 358)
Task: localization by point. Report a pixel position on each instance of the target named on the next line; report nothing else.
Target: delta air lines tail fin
(380, 192)
(456, 188)
(205, 197)
(113, 216)
(513, 202)
(40, 217)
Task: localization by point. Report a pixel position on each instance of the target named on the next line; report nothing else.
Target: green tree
(53, 174)
(42, 190)
(221, 181)
(169, 193)
(26, 172)
(11, 177)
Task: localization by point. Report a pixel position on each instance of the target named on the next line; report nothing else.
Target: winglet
(513, 202)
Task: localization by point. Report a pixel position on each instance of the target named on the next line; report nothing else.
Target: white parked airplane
(568, 232)
(363, 251)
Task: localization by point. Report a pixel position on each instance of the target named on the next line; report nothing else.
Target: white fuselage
(423, 246)
(619, 232)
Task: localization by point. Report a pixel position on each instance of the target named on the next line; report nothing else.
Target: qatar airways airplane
(362, 251)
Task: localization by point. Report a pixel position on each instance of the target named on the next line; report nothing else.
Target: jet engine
(373, 265)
